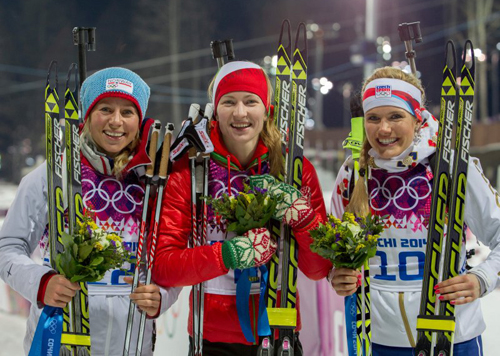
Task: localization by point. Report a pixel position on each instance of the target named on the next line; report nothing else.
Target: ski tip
(468, 49)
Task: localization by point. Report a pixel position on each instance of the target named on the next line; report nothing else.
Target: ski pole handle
(166, 151)
(153, 143)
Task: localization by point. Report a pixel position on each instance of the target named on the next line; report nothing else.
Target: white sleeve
(168, 297)
(342, 182)
(20, 234)
(482, 216)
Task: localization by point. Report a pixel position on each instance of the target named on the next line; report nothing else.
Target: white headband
(229, 68)
(393, 92)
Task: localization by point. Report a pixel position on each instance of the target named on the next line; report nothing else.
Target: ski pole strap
(242, 303)
(350, 320)
(263, 328)
(47, 339)
(436, 323)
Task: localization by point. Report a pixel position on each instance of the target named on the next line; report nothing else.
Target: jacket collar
(104, 164)
(221, 153)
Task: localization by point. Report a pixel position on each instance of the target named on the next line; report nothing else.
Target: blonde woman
(113, 155)
(395, 163)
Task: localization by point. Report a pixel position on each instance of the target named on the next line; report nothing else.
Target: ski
(282, 113)
(79, 313)
(291, 95)
(455, 228)
(54, 156)
(447, 193)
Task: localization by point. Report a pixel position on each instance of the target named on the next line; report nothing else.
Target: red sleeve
(176, 264)
(43, 287)
(311, 264)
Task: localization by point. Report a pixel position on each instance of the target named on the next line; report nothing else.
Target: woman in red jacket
(247, 144)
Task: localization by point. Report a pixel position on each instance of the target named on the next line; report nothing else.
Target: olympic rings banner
(47, 339)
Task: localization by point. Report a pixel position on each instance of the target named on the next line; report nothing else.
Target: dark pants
(472, 347)
(227, 349)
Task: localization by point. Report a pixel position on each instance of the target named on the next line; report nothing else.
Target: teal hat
(114, 82)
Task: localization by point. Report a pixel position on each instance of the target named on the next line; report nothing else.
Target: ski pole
(409, 32)
(193, 240)
(165, 153)
(84, 38)
(149, 181)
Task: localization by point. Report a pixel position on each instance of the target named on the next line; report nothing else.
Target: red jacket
(178, 265)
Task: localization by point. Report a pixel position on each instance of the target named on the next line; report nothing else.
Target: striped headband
(393, 92)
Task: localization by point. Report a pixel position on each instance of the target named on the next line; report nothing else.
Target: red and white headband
(240, 76)
(393, 92)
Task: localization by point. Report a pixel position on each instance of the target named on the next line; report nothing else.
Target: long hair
(359, 200)
(122, 158)
(270, 134)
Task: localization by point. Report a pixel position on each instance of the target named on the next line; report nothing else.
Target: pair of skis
(448, 201)
(156, 195)
(289, 116)
(75, 339)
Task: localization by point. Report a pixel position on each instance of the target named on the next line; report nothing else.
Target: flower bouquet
(90, 252)
(349, 242)
(246, 210)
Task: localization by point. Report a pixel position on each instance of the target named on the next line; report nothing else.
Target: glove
(274, 188)
(255, 248)
(300, 216)
(295, 209)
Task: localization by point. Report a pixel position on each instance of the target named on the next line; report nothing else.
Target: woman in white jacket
(400, 139)
(113, 155)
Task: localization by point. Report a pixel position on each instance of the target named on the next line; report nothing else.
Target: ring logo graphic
(53, 326)
(383, 91)
(395, 190)
(111, 192)
(120, 84)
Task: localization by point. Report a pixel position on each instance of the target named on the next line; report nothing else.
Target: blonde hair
(122, 158)
(270, 134)
(359, 199)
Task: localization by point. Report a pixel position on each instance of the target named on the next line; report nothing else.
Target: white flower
(354, 228)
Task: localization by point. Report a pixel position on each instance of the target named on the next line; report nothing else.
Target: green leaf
(84, 252)
(96, 261)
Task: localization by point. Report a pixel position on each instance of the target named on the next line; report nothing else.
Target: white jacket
(21, 233)
(482, 216)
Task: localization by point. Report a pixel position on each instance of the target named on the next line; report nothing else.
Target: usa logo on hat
(383, 91)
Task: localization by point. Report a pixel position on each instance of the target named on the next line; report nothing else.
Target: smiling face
(241, 118)
(390, 130)
(114, 124)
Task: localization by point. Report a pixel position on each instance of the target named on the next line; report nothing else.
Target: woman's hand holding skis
(459, 290)
(146, 297)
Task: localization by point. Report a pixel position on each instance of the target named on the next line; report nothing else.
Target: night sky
(34, 32)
